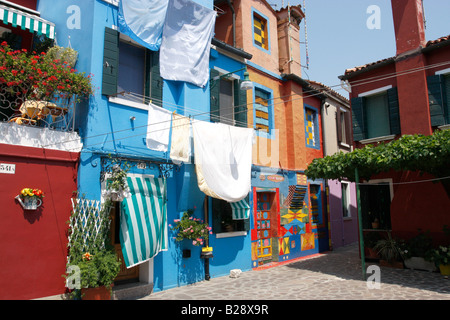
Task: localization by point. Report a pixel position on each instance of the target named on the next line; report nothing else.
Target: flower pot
(97, 293)
(29, 203)
(419, 263)
(444, 269)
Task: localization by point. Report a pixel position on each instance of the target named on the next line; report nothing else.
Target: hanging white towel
(180, 145)
(186, 42)
(143, 21)
(223, 160)
(158, 128)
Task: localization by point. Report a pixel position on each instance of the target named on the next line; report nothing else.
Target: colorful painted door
(263, 224)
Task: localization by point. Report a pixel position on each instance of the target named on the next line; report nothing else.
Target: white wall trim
(443, 71)
(374, 91)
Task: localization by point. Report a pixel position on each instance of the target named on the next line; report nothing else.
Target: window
(375, 114)
(262, 101)
(130, 68)
(315, 203)
(261, 38)
(343, 122)
(222, 216)
(228, 101)
(312, 135)
(439, 99)
(345, 196)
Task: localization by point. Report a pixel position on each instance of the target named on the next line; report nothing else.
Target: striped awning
(27, 21)
(143, 227)
(241, 210)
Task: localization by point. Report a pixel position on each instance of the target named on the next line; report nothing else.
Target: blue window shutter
(394, 114)
(110, 62)
(436, 101)
(358, 118)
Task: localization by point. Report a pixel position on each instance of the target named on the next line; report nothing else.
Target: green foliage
(36, 77)
(389, 249)
(89, 245)
(191, 228)
(429, 154)
(441, 255)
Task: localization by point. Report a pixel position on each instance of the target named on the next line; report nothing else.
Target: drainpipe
(234, 22)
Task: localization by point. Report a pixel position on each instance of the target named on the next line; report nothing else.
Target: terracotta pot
(98, 293)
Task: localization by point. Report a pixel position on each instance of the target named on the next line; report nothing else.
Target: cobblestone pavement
(335, 275)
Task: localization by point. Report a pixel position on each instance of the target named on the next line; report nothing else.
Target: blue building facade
(113, 127)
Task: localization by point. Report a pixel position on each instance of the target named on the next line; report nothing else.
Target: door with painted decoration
(264, 225)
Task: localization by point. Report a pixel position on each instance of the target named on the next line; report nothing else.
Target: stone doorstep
(131, 291)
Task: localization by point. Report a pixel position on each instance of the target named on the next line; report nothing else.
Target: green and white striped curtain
(143, 225)
(240, 210)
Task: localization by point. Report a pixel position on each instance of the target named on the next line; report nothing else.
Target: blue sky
(338, 36)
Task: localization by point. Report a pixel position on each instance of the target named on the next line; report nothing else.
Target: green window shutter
(153, 82)
(358, 118)
(394, 114)
(110, 62)
(214, 89)
(435, 96)
(446, 96)
(240, 105)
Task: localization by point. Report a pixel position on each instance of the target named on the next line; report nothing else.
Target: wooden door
(124, 274)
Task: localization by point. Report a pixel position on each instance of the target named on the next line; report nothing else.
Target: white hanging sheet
(180, 145)
(143, 21)
(158, 128)
(186, 42)
(223, 160)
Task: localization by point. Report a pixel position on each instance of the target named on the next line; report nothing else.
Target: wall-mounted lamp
(246, 84)
(132, 118)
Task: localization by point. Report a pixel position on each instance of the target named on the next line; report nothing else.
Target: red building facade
(405, 94)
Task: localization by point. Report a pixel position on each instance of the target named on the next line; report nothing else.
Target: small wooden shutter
(110, 62)
(358, 118)
(435, 96)
(154, 83)
(338, 124)
(240, 105)
(214, 89)
(394, 115)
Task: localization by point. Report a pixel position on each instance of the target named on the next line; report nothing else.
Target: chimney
(408, 24)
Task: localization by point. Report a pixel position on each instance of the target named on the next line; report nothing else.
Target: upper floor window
(343, 125)
(261, 37)
(375, 114)
(130, 71)
(263, 111)
(228, 100)
(312, 134)
(439, 98)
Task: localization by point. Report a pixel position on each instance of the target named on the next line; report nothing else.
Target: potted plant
(116, 186)
(441, 258)
(416, 252)
(190, 228)
(91, 252)
(65, 55)
(389, 251)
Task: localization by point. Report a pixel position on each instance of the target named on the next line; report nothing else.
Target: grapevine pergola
(426, 154)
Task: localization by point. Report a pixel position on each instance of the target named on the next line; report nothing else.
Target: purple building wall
(344, 230)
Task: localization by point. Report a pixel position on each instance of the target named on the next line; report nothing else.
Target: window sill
(347, 218)
(231, 234)
(377, 139)
(128, 103)
(444, 127)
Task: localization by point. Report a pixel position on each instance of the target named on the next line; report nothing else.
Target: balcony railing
(57, 113)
